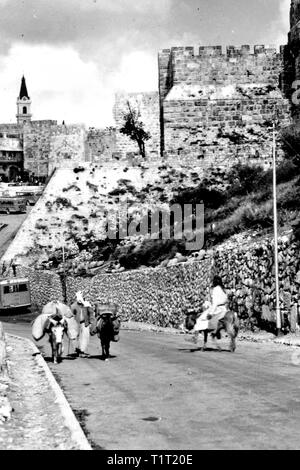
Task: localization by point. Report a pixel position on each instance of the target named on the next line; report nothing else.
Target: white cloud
(118, 6)
(61, 86)
(137, 72)
(283, 26)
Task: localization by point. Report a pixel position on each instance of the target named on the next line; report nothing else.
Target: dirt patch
(29, 392)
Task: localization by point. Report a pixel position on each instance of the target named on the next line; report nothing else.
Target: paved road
(160, 392)
(7, 234)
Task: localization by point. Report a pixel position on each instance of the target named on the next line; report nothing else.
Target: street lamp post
(278, 313)
(64, 271)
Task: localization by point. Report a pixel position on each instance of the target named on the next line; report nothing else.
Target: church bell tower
(23, 104)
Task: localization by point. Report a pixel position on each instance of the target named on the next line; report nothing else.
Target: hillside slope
(71, 218)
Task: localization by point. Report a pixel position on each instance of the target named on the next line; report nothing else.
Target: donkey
(230, 323)
(107, 327)
(56, 330)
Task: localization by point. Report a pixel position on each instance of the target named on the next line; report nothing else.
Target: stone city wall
(215, 105)
(148, 106)
(101, 144)
(292, 60)
(37, 137)
(47, 146)
(218, 131)
(67, 146)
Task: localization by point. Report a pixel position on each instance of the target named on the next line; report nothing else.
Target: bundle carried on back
(103, 312)
(39, 326)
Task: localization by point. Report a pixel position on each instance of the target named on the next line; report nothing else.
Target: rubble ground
(36, 422)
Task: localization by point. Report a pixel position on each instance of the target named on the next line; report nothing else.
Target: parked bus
(12, 204)
(30, 198)
(30, 193)
(14, 293)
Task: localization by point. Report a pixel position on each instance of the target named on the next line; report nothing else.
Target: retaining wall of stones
(157, 296)
(249, 273)
(160, 296)
(45, 286)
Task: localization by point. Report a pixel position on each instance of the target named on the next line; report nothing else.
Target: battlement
(217, 51)
(213, 65)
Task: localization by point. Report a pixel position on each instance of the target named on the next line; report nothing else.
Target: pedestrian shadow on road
(64, 358)
(99, 356)
(193, 350)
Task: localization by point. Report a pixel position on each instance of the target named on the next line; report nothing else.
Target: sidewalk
(40, 417)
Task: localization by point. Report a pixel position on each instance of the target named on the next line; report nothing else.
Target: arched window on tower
(24, 110)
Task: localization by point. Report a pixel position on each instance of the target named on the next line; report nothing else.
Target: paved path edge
(71, 422)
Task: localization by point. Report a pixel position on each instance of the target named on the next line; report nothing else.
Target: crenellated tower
(291, 74)
(217, 105)
(23, 104)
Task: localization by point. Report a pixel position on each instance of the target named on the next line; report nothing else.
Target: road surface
(160, 392)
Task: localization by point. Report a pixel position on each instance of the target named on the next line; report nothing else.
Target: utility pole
(278, 313)
(64, 275)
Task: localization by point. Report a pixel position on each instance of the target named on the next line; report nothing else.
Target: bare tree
(134, 128)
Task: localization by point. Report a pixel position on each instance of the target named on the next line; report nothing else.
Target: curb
(3, 362)
(71, 422)
(5, 406)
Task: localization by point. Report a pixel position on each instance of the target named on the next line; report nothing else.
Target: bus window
(23, 288)
(11, 289)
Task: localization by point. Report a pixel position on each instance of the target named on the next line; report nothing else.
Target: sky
(76, 54)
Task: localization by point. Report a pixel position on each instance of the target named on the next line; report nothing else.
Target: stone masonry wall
(219, 107)
(292, 58)
(47, 145)
(101, 144)
(249, 273)
(37, 135)
(44, 286)
(158, 296)
(161, 295)
(148, 106)
(15, 130)
(67, 146)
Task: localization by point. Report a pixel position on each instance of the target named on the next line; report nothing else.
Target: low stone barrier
(249, 273)
(158, 296)
(161, 295)
(45, 286)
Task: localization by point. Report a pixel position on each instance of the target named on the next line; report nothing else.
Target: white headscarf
(80, 299)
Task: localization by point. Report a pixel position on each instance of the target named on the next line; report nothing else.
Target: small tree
(134, 128)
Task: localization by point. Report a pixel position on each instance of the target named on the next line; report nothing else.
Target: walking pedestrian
(84, 315)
